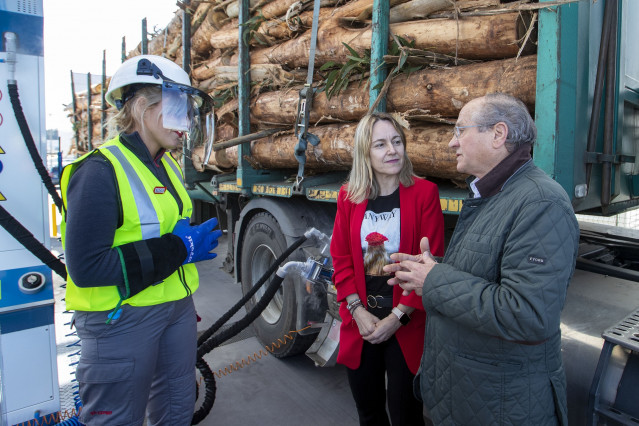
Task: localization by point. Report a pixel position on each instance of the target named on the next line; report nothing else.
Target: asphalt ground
(253, 387)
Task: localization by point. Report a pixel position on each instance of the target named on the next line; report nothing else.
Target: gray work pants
(144, 360)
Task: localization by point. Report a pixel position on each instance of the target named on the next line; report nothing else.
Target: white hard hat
(184, 107)
(143, 69)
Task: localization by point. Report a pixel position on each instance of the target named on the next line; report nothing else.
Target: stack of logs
(490, 47)
(79, 120)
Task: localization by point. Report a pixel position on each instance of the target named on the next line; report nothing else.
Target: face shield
(187, 109)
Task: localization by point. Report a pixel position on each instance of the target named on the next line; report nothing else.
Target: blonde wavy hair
(361, 183)
(130, 117)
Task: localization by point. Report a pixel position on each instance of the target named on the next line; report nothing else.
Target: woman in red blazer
(382, 209)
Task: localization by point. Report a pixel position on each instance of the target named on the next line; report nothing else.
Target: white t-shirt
(381, 217)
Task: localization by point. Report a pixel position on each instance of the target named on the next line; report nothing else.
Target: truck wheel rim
(263, 258)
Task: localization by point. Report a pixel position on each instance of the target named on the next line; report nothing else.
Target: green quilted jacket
(492, 350)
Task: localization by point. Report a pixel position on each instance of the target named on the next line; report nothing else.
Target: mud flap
(324, 349)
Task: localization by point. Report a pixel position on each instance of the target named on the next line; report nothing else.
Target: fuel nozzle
(10, 46)
(323, 240)
(316, 268)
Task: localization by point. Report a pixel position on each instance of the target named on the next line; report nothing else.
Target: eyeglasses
(458, 129)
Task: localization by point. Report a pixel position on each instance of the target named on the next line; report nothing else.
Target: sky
(76, 32)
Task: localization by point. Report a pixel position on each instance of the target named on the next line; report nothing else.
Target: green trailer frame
(569, 35)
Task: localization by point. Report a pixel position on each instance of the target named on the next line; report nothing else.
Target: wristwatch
(401, 316)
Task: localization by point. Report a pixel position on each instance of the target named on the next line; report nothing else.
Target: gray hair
(501, 107)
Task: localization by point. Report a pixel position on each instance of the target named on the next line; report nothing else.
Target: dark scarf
(495, 179)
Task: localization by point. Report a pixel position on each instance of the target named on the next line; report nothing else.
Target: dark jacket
(492, 353)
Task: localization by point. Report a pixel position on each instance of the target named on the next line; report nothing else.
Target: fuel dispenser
(28, 364)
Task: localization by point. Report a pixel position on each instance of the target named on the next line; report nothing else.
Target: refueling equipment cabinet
(28, 364)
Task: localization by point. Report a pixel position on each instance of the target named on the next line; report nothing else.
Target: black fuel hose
(31, 243)
(11, 224)
(206, 345)
(31, 146)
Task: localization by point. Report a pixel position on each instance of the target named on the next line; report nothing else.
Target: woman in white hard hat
(130, 252)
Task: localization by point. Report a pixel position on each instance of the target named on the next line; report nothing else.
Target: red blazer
(420, 216)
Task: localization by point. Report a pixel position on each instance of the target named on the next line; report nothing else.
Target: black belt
(379, 301)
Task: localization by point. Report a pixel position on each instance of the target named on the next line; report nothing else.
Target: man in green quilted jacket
(492, 350)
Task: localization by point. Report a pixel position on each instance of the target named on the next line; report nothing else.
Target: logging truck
(570, 61)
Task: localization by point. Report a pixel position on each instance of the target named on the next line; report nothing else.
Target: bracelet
(353, 305)
(352, 311)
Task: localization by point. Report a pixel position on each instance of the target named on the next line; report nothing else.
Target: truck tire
(263, 243)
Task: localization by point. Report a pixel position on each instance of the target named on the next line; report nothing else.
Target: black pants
(368, 385)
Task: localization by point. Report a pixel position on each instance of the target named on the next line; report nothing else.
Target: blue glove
(199, 240)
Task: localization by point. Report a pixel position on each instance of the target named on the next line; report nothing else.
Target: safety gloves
(199, 240)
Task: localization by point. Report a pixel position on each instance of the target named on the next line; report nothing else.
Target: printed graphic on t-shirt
(380, 237)
(376, 255)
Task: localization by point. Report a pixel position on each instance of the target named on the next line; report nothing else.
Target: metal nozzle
(323, 239)
(10, 46)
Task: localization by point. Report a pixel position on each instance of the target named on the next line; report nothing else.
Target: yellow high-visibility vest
(147, 213)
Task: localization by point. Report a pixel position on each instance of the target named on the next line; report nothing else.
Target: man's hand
(411, 270)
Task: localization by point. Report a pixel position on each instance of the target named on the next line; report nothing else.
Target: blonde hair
(361, 180)
(130, 117)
